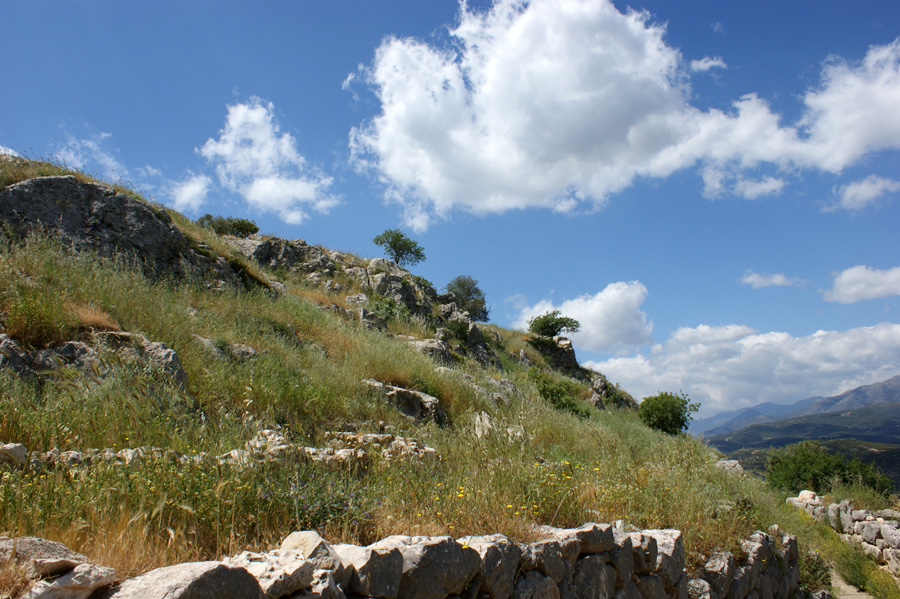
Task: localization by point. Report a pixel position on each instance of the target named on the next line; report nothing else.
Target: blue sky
(711, 188)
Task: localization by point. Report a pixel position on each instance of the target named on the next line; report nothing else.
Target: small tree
(400, 248)
(552, 324)
(667, 412)
(239, 227)
(469, 297)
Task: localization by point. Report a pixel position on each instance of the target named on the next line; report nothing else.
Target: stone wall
(877, 533)
(592, 561)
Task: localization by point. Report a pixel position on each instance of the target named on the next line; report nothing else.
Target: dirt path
(843, 590)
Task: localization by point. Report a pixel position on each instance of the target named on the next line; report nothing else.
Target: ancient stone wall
(877, 533)
(594, 560)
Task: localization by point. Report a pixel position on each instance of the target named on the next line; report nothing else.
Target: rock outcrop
(97, 217)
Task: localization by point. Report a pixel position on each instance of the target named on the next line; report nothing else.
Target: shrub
(400, 248)
(809, 465)
(564, 395)
(469, 297)
(667, 412)
(239, 227)
(552, 324)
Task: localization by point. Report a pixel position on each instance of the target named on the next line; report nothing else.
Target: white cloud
(8, 151)
(610, 320)
(860, 194)
(255, 159)
(750, 189)
(93, 154)
(717, 27)
(731, 367)
(757, 280)
(559, 104)
(706, 63)
(861, 283)
(190, 194)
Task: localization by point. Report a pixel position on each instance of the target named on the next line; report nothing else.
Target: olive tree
(400, 248)
(667, 412)
(469, 297)
(552, 324)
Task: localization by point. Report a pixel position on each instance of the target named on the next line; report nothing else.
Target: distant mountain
(876, 423)
(726, 422)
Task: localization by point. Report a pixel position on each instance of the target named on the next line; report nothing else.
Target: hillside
(726, 422)
(168, 395)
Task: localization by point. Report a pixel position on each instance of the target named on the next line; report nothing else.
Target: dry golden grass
(13, 582)
(91, 318)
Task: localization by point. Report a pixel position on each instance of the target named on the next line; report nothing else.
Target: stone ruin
(877, 533)
(591, 561)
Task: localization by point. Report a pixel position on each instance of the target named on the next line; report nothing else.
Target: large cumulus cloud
(560, 104)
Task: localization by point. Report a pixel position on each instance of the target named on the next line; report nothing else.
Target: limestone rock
(670, 557)
(80, 583)
(279, 573)
(324, 587)
(435, 349)
(534, 585)
(414, 404)
(499, 563)
(12, 356)
(650, 586)
(718, 571)
(95, 216)
(700, 589)
(730, 466)
(375, 571)
(433, 567)
(39, 558)
(193, 580)
(14, 453)
(591, 537)
(594, 579)
(547, 558)
(318, 551)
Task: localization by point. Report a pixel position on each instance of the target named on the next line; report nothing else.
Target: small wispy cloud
(707, 63)
(759, 280)
(862, 282)
(718, 28)
(861, 194)
(190, 194)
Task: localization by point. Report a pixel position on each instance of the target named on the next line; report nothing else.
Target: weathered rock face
(195, 580)
(127, 347)
(95, 216)
(560, 355)
(414, 404)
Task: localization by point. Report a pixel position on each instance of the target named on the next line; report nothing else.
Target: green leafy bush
(239, 227)
(667, 412)
(400, 248)
(564, 395)
(552, 324)
(469, 297)
(809, 465)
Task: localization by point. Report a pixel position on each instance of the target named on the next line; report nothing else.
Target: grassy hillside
(561, 469)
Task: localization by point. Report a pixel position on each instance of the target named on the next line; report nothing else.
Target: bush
(667, 412)
(808, 465)
(400, 248)
(564, 395)
(552, 324)
(469, 297)
(239, 227)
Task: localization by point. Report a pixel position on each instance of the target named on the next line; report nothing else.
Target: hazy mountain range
(886, 391)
